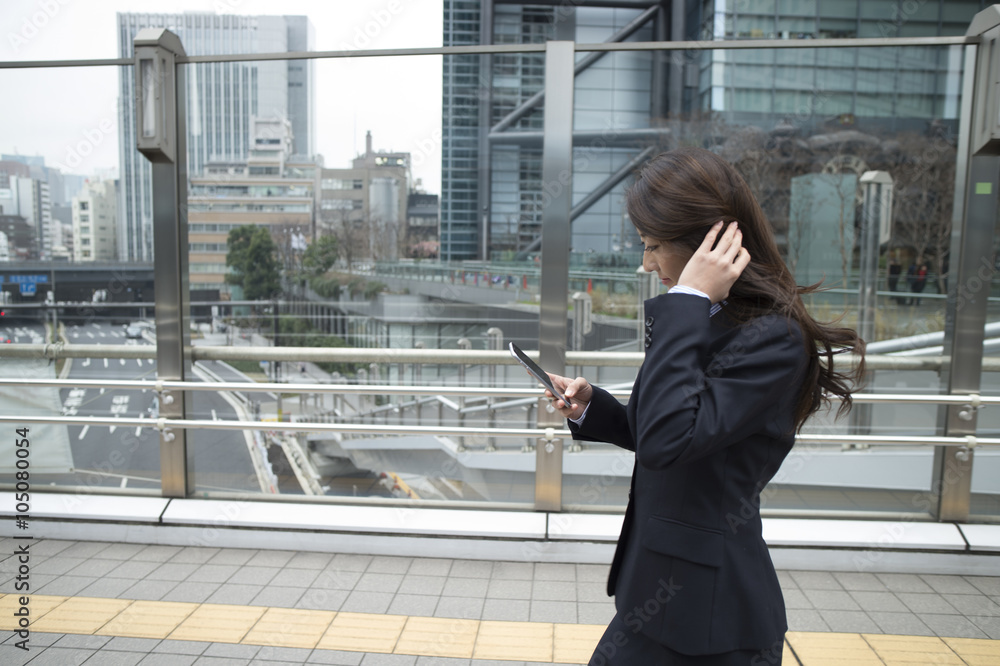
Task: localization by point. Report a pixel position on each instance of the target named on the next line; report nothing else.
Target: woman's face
(667, 260)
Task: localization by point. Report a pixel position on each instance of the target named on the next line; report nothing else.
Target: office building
(492, 190)
(95, 221)
(366, 205)
(29, 198)
(222, 98)
(271, 188)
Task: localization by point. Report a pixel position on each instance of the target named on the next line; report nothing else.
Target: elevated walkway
(127, 580)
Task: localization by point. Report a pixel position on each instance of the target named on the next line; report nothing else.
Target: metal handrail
(165, 424)
(701, 45)
(428, 356)
(424, 390)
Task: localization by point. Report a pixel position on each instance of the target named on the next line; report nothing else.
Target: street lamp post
(160, 136)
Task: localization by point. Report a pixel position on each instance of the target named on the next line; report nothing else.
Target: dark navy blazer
(711, 418)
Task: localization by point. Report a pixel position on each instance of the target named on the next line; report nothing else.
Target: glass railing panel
(76, 269)
(803, 143)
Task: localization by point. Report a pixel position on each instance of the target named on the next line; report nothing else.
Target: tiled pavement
(492, 595)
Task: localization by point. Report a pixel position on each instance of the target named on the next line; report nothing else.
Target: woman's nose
(648, 264)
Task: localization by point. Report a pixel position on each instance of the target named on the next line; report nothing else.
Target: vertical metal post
(557, 183)
(972, 252)
(485, 121)
(161, 136)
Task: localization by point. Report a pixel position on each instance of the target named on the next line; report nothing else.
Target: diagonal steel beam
(537, 98)
(596, 194)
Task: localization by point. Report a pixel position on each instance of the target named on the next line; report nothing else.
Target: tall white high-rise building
(95, 213)
(29, 198)
(221, 100)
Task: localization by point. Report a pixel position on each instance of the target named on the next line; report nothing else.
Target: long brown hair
(677, 197)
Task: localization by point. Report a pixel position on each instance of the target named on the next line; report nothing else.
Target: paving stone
(110, 658)
(465, 587)
(314, 561)
(111, 588)
(13, 656)
(66, 586)
(212, 573)
(424, 566)
(509, 589)
(591, 592)
(56, 565)
(553, 611)
(389, 565)
(466, 608)
(150, 590)
(949, 584)
(413, 604)
(973, 604)
(351, 562)
(193, 555)
(472, 569)
(177, 571)
(54, 656)
(587, 613)
(237, 556)
(845, 621)
(336, 579)
(135, 569)
(318, 599)
(335, 657)
(831, 600)
(127, 644)
(239, 595)
(293, 655)
(191, 592)
(249, 575)
(986, 584)
(168, 660)
(907, 583)
(926, 603)
(514, 570)
(864, 582)
(379, 582)
(989, 625)
(510, 610)
(388, 660)
(295, 577)
(156, 553)
(596, 573)
(879, 601)
(553, 571)
(805, 620)
(952, 626)
(544, 590)
(82, 641)
(815, 580)
(278, 597)
(194, 648)
(231, 650)
(271, 558)
(367, 602)
(412, 584)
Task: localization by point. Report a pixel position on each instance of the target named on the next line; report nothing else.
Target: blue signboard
(28, 288)
(25, 279)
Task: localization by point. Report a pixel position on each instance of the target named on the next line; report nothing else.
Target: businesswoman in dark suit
(732, 369)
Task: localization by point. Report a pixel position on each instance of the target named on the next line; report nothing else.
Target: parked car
(133, 331)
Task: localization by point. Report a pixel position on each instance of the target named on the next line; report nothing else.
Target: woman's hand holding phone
(577, 390)
(713, 270)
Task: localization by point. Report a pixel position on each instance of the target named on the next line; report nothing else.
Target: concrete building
(423, 221)
(20, 243)
(29, 199)
(95, 221)
(271, 188)
(366, 206)
(222, 99)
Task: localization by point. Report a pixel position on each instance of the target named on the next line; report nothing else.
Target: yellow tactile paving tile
(438, 637)
(902, 650)
(515, 641)
(290, 627)
(829, 649)
(38, 606)
(148, 619)
(575, 643)
(80, 615)
(788, 657)
(218, 623)
(363, 632)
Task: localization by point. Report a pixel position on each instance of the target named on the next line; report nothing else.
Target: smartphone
(537, 372)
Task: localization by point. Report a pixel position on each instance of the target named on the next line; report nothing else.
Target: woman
(732, 369)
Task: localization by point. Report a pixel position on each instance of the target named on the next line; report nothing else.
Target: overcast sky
(60, 113)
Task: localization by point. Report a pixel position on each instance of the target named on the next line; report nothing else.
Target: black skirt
(620, 646)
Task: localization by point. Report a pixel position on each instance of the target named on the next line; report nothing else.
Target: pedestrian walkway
(110, 603)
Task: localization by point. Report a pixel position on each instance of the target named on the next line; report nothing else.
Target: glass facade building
(222, 98)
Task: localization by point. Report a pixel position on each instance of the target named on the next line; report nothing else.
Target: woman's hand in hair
(715, 266)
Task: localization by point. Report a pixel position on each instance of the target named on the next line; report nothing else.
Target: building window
(84, 205)
(84, 241)
(84, 230)
(342, 204)
(342, 184)
(85, 218)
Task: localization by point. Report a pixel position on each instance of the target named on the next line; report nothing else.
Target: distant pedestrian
(894, 272)
(920, 282)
